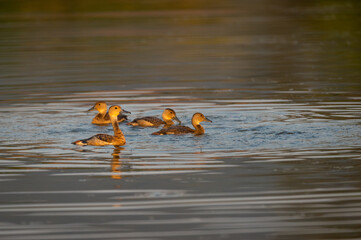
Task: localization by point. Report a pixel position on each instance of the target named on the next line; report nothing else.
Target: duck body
(168, 115)
(147, 122)
(104, 139)
(103, 117)
(174, 130)
(101, 140)
(198, 129)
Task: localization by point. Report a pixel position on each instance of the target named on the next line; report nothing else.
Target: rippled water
(281, 159)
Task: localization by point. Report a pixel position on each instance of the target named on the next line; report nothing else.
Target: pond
(279, 80)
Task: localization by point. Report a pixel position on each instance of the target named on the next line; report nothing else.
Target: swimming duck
(103, 117)
(196, 119)
(168, 115)
(104, 139)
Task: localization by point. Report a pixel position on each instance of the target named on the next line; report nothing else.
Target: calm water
(281, 160)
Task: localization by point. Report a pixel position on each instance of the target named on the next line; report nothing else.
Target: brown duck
(168, 115)
(103, 116)
(104, 139)
(198, 129)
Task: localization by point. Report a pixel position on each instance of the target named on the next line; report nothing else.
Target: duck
(104, 139)
(168, 115)
(103, 116)
(196, 120)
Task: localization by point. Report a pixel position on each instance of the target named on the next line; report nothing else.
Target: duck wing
(147, 122)
(103, 137)
(122, 118)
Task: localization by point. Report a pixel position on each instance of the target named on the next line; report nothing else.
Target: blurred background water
(280, 80)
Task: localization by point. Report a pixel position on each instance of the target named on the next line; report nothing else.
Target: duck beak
(91, 109)
(125, 111)
(175, 118)
(207, 120)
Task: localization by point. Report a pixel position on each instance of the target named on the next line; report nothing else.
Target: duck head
(100, 107)
(169, 114)
(199, 117)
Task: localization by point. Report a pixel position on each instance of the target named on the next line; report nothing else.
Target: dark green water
(280, 80)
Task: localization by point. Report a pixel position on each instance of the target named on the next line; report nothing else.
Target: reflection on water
(279, 80)
(116, 163)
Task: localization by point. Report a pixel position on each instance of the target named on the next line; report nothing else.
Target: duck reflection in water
(116, 163)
